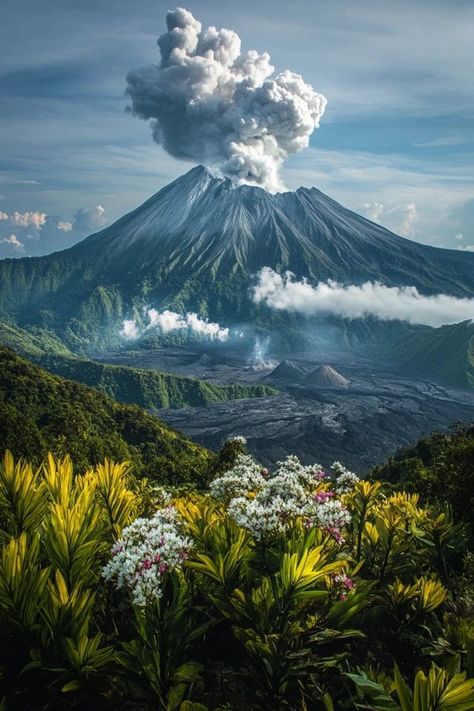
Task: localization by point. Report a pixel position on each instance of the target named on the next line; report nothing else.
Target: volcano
(197, 245)
(327, 377)
(287, 371)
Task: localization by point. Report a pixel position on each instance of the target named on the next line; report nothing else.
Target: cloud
(64, 226)
(28, 219)
(400, 218)
(211, 103)
(169, 321)
(13, 241)
(129, 330)
(371, 299)
(87, 219)
(442, 142)
(467, 248)
(40, 233)
(459, 236)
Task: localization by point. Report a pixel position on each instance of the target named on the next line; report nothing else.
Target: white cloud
(399, 218)
(13, 241)
(441, 142)
(64, 226)
(129, 330)
(87, 219)
(370, 299)
(28, 219)
(467, 248)
(169, 321)
(3, 216)
(459, 236)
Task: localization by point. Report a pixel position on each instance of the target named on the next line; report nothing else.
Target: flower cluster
(265, 505)
(238, 439)
(343, 479)
(329, 514)
(246, 475)
(148, 549)
(262, 517)
(344, 584)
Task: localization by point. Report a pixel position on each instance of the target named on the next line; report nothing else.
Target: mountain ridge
(197, 244)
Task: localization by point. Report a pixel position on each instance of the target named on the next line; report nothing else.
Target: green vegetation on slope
(148, 388)
(336, 595)
(34, 343)
(42, 412)
(444, 354)
(440, 468)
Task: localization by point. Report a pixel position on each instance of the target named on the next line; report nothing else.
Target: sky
(396, 142)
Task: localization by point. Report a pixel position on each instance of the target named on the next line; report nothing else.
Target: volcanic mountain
(196, 246)
(327, 377)
(287, 370)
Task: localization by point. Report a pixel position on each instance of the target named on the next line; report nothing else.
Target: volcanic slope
(196, 246)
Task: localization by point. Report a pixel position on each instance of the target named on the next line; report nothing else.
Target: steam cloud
(213, 104)
(371, 299)
(168, 321)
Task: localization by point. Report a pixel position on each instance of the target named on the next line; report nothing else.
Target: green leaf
(379, 698)
(71, 686)
(175, 696)
(188, 672)
(404, 694)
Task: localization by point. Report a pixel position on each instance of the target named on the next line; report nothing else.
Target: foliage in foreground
(42, 412)
(439, 467)
(293, 590)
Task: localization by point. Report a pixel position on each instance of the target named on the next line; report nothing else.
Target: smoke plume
(213, 104)
(168, 321)
(259, 359)
(387, 303)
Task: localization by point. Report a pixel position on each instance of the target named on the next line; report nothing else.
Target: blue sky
(396, 142)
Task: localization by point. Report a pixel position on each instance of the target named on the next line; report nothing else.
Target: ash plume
(213, 104)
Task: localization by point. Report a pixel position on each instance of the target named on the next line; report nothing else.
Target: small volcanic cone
(287, 370)
(327, 377)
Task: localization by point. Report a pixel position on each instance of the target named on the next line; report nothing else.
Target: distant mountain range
(197, 245)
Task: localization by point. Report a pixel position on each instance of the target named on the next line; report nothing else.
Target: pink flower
(322, 496)
(183, 555)
(163, 568)
(336, 534)
(319, 474)
(146, 564)
(345, 581)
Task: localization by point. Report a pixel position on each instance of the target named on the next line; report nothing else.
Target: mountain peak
(204, 223)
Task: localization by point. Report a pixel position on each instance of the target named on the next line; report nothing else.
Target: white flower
(238, 439)
(148, 549)
(344, 480)
(289, 494)
(244, 477)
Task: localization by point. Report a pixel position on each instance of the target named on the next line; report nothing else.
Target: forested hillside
(150, 389)
(45, 413)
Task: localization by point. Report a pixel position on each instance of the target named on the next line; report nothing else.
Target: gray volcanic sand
(361, 425)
